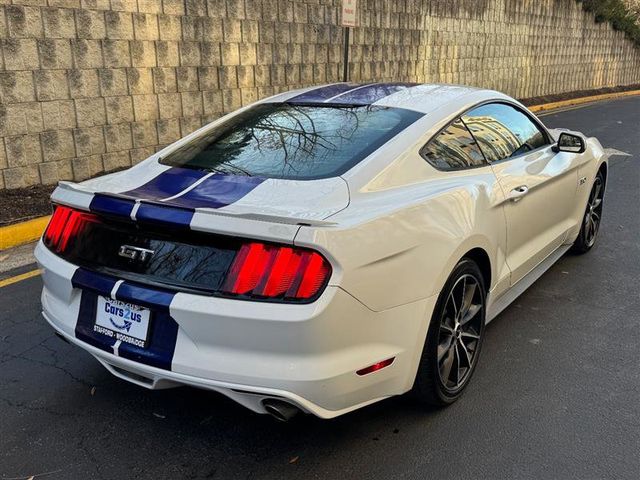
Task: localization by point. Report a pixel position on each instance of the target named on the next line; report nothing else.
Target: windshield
(293, 141)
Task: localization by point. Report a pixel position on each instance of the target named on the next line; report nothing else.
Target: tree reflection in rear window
(293, 141)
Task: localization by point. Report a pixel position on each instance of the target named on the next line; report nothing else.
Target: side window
(503, 131)
(453, 149)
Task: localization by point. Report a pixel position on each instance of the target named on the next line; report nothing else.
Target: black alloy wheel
(592, 217)
(455, 335)
(459, 335)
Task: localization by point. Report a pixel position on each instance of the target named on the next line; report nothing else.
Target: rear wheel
(592, 217)
(451, 352)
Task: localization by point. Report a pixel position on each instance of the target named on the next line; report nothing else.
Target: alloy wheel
(594, 212)
(460, 330)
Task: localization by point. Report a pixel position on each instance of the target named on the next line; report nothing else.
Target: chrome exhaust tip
(280, 410)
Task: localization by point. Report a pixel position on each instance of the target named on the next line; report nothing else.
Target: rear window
(293, 141)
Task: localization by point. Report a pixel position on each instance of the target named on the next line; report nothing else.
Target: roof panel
(322, 94)
(350, 93)
(411, 96)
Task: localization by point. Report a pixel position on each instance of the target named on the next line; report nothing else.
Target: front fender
(593, 159)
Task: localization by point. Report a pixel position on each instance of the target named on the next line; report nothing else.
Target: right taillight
(276, 272)
(65, 224)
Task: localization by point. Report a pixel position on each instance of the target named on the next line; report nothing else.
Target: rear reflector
(272, 271)
(65, 225)
(376, 366)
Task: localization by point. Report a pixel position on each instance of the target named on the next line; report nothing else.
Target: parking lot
(556, 394)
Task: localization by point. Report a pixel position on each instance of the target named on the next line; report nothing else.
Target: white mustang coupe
(322, 249)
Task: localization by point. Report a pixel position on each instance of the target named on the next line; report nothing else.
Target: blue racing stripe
(319, 95)
(167, 184)
(95, 282)
(92, 284)
(350, 93)
(108, 205)
(371, 93)
(163, 329)
(86, 322)
(161, 343)
(147, 297)
(217, 191)
(164, 215)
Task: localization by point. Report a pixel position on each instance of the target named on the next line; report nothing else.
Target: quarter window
(453, 149)
(503, 131)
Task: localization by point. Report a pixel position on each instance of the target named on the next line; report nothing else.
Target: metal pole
(345, 71)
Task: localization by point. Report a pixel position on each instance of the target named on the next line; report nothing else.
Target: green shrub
(617, 14)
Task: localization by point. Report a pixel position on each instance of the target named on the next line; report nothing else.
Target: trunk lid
(268, 209)
(180, 228)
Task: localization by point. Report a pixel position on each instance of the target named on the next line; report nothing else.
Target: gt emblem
(135, 253)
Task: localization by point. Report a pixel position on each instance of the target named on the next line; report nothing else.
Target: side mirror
(568, 142)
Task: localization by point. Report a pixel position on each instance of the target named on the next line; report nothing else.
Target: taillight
(258, 270)
(276, 272)
(64, 226)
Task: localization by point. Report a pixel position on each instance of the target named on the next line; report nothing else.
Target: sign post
(348, 20)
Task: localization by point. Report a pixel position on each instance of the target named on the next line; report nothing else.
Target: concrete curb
(581, 100)
(23, 232)
(31, 230)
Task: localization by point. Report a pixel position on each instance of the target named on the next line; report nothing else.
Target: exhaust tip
(280, 410)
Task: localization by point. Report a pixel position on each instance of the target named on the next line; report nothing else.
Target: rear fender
(391, 254)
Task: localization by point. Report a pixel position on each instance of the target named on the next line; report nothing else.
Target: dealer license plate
(122, 321)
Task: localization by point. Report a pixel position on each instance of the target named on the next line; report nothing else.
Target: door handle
(517, 193)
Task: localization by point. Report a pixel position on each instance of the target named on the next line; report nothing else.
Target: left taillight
(276, 272)
(64, 226)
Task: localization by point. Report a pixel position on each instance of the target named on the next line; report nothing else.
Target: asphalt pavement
(556, 394)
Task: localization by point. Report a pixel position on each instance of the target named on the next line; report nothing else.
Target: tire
(447, 335)
(592, 217)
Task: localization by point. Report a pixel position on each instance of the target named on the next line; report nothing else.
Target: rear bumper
(250, 351)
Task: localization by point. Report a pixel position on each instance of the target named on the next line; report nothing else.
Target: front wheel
(592, 217)
(452, 349)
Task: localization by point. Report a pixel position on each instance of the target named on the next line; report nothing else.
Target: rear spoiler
(259, 226)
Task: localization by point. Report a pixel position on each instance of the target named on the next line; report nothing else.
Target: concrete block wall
(88, 86)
